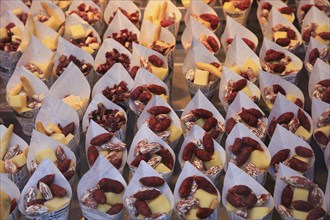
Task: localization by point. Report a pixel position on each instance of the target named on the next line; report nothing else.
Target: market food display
(118, 131)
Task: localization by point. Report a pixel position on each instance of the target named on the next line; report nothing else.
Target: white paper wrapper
(316, 16)
(285, 171)
(238, 52)
(91, 179)
(283, 105)
(144, 170)
(43, 31)
(120, 22)
(56, 111)
(275, 5)
(196, 8)
(170, 10)
(234, 28)
(240, 131)
(189, 170)
(142, 133)
(141, 51)
(235, 176)
(11, 189)
(36, 8)
(327, 193)
(227, 75)
(32, 54)
(9, 60)
(144, 77)
(12, 5)
(196, 30)
(241, 16)
(318, 107)
(197, 133)
(99, 98)
(199, 53)
(93, 130)
(114, 75)
(22, 176)
(113, 6)
(109, 45)
(159, 101)
(320, 72)
(276, 18)
(268, 79)
(27, 119)
(312, 45)
(66, 48)
(200, 101)
(299, 11)
(72, 82)
(45, 168)
(98, 25)
(267, 44)
(327, 159)
(284, 139)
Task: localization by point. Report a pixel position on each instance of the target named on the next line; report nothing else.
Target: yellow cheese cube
(291, 97)
(59, 137)
(57, 203)
(165, 97)
(63, 4)
(39, 196)
(2, 167)
(321, 40)
(280, 34)
(299, 214)
(247, 91)
(323, 28)
(113, 198)
(249, 63)
(215, 161)
(87, 49)
(236, 69)
(302, 132)
(21, 110)
(26, 150)
(201, 77)
(3, 33)
(259, 159)
(19, 160)
(300, 194)
(290, 67)
(17, 11)
(186, 3)
(103, 207)
(5, 203)
(191, 215)
(289, 17)
(161, 168)
(49, 42)
(175, 133)
(269, 104)
(229, 6)
(210, 68)
(53, 22)
(324, 129)
(71, 100)
(19, 101)
(103, 152)
(200, 122)
(16, 89)
(90, 15)
(45, 153)
(230, 208)
(16, 31)
(205, 198)
(160, 72)
(77, 31)
(160, 204)
(258, 212)
(68, 138)
(304, 159)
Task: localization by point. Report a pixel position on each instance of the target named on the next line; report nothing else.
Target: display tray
(179, 99)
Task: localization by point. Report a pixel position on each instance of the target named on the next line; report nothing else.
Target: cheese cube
(247, 91)
(299, 214)
(71, 100)
(215, 161)
(321, 40)
(77, 31)
(160, 72)
(289, 17)
(269, 104)
(90, 15)
(175, 133)
(258, 212)
(18, 101)
(68, 138)
(103, 207)
(53, 22)
(324, 129)
(230, 208)
(16, 31)
(161, 168)
(160, 204)
(323, 28)
(21, 110)
(300, 194)
(200, 122)
(94, 45)
(3, 33)
(291, 97)
(290, 67)
(302, 132)
(59, 137)
(87, 49)
(259, 159)
(17, 11)
(113, 198)
(249, 63)
(205, 198)
(5, 203)
(280, 34)
(49, 42)
(63, 4)
(191, 215)
(228, 6)
(236, 69)
(45, 153)
(304, 159)
(19, 160)
(2, 167)
(57, 203)
(201, 77)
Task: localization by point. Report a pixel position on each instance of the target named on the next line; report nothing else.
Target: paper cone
(91, 179)
(36, 8)
(11, 6)
(144, 170)
(327, 194)
(318, 107)
(113, 6)
(239, 16)
(236, 176)
(10, 189)
(45, 168)
(22, 176)
(300, 4)
(320, 72)
(235, 28)
(284, 139)
(312, 45)
(240, 131)
(327, 158)
(43, 33)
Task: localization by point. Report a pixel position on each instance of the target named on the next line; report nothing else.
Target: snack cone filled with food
(239, 10)
(47, 36)
(18, 8)
(304, 7)
(320, 115)
(319, 82)
(10, 195)
(128, 8)
(314, 51)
